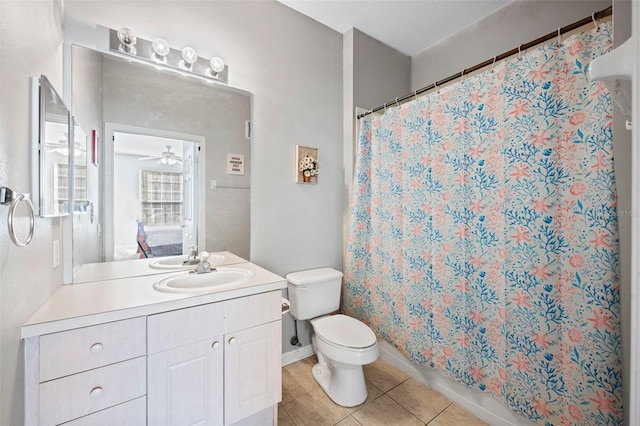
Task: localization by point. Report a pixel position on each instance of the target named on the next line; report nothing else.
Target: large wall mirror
(157, 175)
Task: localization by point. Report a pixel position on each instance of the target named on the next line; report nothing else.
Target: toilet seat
(344, 331)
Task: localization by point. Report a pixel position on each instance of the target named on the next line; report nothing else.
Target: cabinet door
(186, 385)
(253, 364)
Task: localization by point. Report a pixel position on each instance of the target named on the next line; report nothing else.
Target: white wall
(27, 277)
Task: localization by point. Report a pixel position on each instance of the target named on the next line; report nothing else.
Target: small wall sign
(235, 164)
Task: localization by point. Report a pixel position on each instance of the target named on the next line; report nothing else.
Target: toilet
(343, 344)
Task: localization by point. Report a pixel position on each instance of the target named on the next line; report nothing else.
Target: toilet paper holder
(286, 306)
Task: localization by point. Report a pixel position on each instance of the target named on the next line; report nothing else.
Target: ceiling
(144, 145)
(408, 26)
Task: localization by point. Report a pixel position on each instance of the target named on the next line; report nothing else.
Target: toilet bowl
(343, 345)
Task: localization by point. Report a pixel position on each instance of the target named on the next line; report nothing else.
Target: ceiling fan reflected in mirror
(167, 157)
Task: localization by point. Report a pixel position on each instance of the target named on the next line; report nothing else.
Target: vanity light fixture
(160, 50)
(217, 65)
(189, 57)
(160, 54)
(127, 41)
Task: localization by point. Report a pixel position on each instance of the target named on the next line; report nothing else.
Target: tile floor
(394, 399)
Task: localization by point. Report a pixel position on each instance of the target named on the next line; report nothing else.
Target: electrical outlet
(56, 253)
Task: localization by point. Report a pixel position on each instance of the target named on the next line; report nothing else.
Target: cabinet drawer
(131, 413)
(250, 311)
(75, 396)
(73, 351)
(184, 326)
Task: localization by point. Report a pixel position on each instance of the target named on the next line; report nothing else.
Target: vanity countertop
(101, 271)
(82, 305)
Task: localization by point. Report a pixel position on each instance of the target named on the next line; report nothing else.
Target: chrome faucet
(204, 266)
(192, 258)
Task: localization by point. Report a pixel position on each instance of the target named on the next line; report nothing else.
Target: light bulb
(189, 56)
(127, 41)
(217, 64)
(160, 49)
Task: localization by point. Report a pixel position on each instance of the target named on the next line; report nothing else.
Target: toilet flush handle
(302, 288)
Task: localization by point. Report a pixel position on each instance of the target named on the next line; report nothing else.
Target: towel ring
(13, 199)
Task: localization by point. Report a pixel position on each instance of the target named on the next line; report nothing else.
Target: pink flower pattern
(484, 236)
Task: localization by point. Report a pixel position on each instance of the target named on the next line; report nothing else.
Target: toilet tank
(314, 292)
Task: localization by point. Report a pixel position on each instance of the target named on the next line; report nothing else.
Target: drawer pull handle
(232, 341)
(96, 392)
(215, 345)
(96, 348)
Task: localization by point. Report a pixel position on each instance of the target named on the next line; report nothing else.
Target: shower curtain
(483, 236)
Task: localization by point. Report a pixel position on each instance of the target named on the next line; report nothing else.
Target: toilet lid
(344, 331)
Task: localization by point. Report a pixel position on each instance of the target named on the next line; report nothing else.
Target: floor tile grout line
(437, 415)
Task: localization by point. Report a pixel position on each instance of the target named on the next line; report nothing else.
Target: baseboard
(296, 355)
(481, 405)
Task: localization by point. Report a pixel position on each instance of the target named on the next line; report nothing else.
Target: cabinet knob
(96, 392)
(96, 348)
(215, 345)
(232, 341)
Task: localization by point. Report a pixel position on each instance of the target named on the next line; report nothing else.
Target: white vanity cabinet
(215, 364)
(119, 352)
(75, 373)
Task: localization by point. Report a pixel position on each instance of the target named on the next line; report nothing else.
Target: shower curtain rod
(523, 47)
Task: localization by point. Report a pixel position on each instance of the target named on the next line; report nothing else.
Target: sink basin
(177, 262)
(190, 282)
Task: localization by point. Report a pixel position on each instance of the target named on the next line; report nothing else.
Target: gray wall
(514, 24)
(27, 277)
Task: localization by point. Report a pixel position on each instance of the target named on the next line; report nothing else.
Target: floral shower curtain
(484, 239)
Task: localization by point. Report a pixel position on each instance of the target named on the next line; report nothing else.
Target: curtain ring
(435, 85)
(595, 22)
(559, 36)
(416, 94)
(493, 65)
(520, 52)
(12, 213)
(397, 103)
